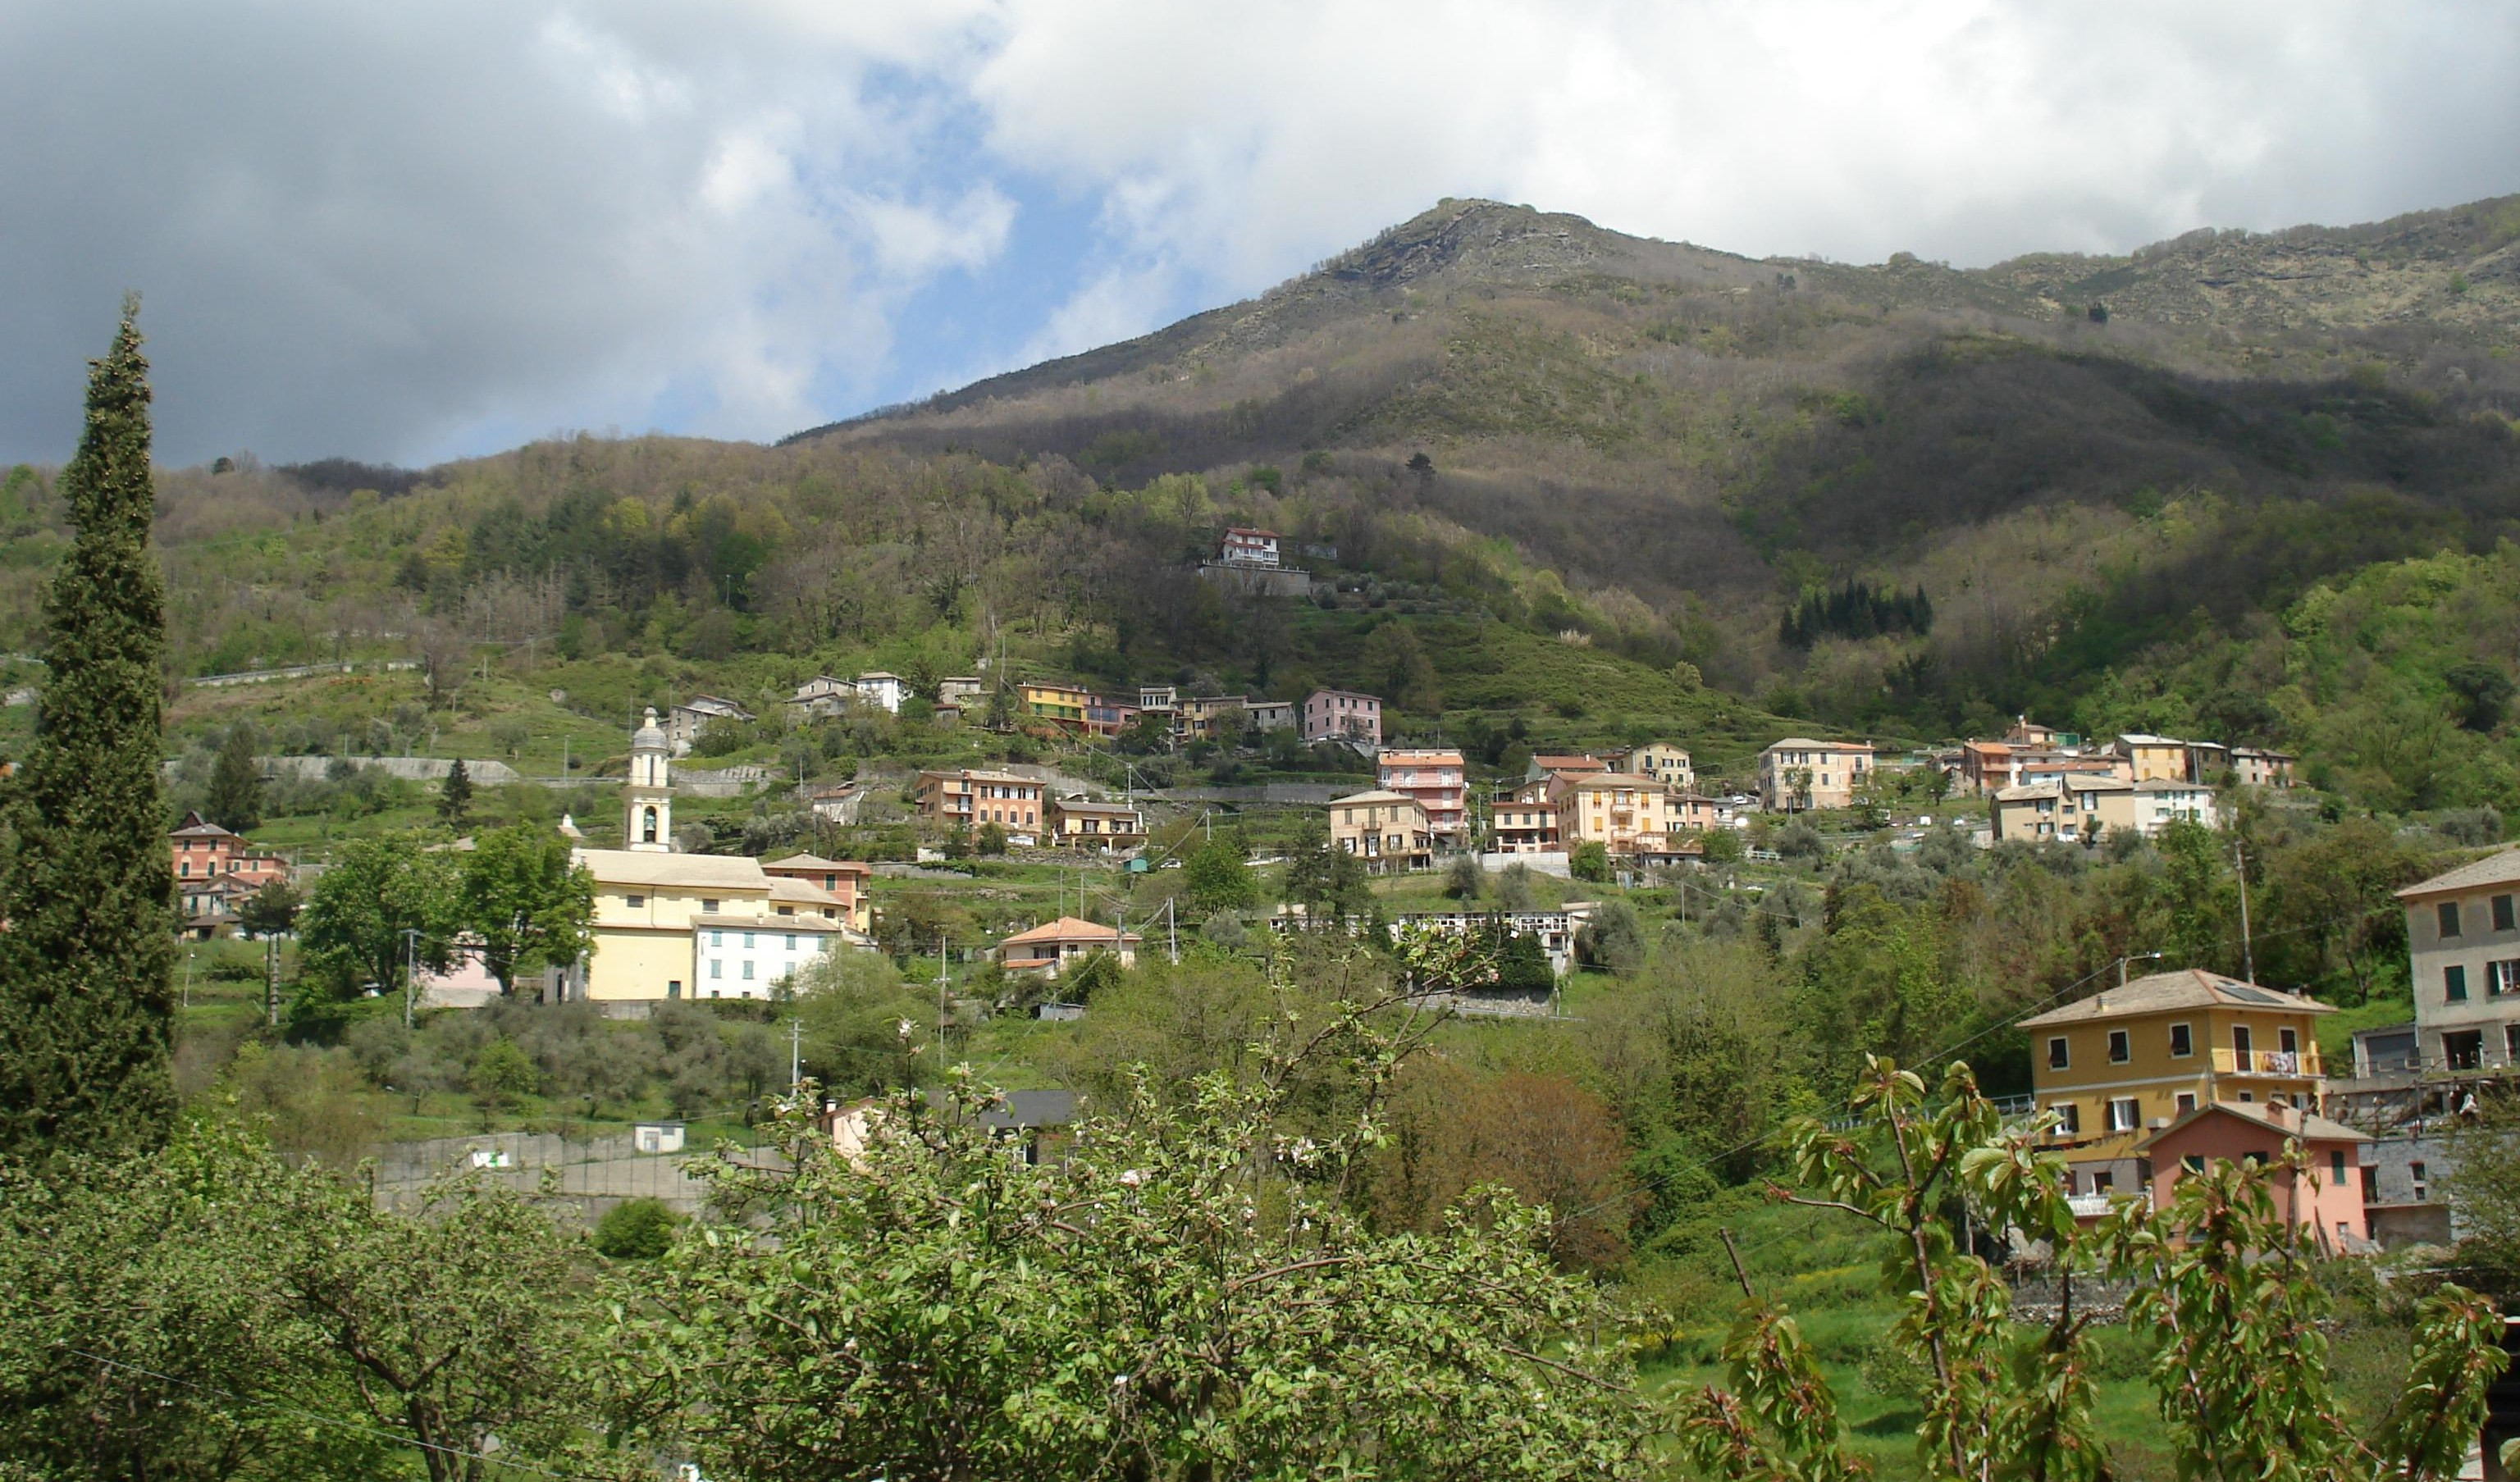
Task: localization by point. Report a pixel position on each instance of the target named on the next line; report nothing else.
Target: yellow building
(2130, 1059)
(1624, 812)
(1077, 823)
(1524, 821)
(2070, 809)
(2154, 758)
(1388, 831)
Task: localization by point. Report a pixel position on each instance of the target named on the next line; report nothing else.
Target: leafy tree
(1464, 879)
(2483, 692)
(2221, 1282)
(637, 1229)
(527, 902)
(236, 783)
(86, 1001)
(1516, 890)
(992, 840)
(1325, 879)
(1522, 965)
(1723, 845)
(1215, 878)
(1589, 861)
(1183, 1295)
(352, 928)
(455, 796)
(502, 1077)
(1612, 938)
(270, 910)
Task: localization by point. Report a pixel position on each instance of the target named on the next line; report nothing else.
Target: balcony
(2274, 1062)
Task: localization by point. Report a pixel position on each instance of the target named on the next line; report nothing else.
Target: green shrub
(636, 1230)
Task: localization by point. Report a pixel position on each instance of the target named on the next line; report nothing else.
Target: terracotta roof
(1067, 928)
(1373, 796)
(817, 862)
(1806, 743)
(968, 774)
(2187, 988)
(795, 892)
(2494, 869)
(1614, 780)
(2309, 1126)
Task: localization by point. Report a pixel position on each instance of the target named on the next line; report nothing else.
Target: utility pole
(796, 1054)
(271, 981)
(410, 957)
(1172, 928)
(2248, 953)
(941, 997)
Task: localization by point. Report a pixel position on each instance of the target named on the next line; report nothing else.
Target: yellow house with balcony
(1624, 812)
(2130, 1059)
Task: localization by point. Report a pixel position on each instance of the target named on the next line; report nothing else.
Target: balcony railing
(2283, 1062)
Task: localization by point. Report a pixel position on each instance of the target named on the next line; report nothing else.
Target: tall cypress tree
(455, 796)
(236, 783)
(86, 963)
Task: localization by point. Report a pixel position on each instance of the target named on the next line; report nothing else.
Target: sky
(410, 232)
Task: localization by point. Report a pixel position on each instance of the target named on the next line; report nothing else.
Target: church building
(676, 925)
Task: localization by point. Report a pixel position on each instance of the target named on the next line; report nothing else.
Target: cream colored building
(1798, 772)
(1662, 761)
(1389, 831)
(2069, 810)
(2463, 955)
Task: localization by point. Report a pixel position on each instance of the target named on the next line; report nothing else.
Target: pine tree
(86, 965)
(236, 783)
(455, 796)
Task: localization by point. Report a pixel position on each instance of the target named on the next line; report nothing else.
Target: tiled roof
(1067, 928)
(2309, 1126)
(640, 867)
(2494, 869)
(2187, 988)
(1375, 795)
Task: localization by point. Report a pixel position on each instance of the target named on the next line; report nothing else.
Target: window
(2464, 1051)
(747, 941)
(2125, 1115)
(2248, 1098)
(634, 902)
(2288, 1041)
(2502, 917)
(2455, 984)
(2502, 977)
(2069, 1118)
(2447, 914)
(2416, 1171)
(708, 905)
(2511, 1044)
(717, 968)
(2183, 1044)
(2240, 1046)
(747, 970)
(2184, 1103)
(2057, 1058)
(792, 941)
(646, 825)
(2336, 1167)
(2119, 1049)
(2195, 1163)
(717, 937)
(673, 988)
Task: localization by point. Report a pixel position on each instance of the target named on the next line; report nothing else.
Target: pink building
(2330, 1210)
(1342, 715)
(1434, 778)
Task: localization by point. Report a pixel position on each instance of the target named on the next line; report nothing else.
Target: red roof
(1067, 928)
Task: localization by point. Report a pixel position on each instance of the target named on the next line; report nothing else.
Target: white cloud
(410, 231)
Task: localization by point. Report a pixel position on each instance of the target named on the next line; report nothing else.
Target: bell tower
(648, 798)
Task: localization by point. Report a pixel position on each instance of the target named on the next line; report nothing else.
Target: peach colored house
(2329, 1209)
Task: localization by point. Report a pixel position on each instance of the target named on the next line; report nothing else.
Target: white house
(1248, 547)
(745, 957)
(877, 688)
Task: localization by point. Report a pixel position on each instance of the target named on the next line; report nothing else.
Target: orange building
(845, 881)
(2331, 1203)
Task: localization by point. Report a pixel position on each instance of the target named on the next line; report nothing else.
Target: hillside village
(2144, 1078)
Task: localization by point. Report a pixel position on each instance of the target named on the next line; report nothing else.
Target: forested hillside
(1569, 476)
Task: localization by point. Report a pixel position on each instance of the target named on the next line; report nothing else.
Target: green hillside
(1572, 479)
